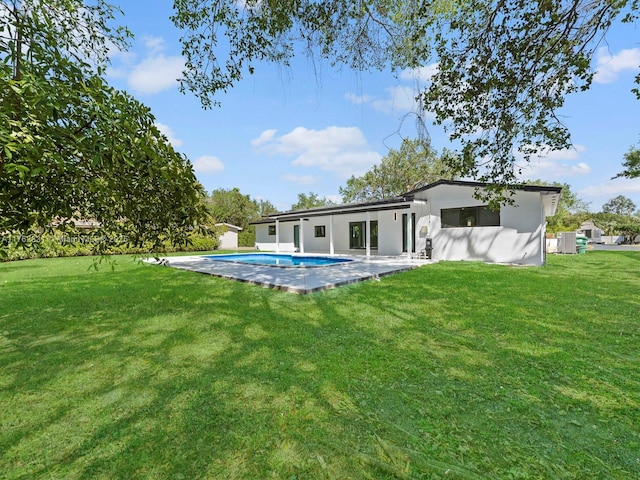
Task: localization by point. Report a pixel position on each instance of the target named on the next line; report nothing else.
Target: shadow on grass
(452, 370)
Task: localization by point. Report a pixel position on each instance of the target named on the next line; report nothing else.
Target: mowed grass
(453, 370)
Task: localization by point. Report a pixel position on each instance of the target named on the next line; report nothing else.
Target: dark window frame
(320, 231)
(357, 235)
(469, 217)
(360, 242)
(271, 230)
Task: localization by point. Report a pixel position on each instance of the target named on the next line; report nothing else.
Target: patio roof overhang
(334, 210)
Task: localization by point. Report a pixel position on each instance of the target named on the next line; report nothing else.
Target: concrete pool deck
(297, 280)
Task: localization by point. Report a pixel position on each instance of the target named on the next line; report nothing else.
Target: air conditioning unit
(567, 242)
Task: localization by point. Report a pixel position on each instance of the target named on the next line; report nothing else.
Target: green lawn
(453, 370)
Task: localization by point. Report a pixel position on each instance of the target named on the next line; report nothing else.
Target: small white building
(229, 238)
(442, 220)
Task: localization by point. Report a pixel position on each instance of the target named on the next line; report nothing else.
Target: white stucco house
(442, 219)
(229, 237)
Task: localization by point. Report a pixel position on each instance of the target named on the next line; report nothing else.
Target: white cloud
(555, 165)
(153, 44)
(611, 188)
(150, 72)
(264, 137)
(207, 164)
(609, 66)
(156, 74)
(420, 74)
(343, 151)
(167, 132)
(358, 99)
(299, 179)
(571, 153)
(399, 99)
(123, 58)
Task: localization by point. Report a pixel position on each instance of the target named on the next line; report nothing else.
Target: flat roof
(395, 203)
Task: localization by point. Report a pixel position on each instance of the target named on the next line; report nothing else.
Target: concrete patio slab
(296, 280)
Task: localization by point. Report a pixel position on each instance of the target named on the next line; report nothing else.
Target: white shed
(229, 238)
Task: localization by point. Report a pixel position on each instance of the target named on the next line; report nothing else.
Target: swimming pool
(279, 260)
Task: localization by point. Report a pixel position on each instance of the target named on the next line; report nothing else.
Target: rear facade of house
(443, 220)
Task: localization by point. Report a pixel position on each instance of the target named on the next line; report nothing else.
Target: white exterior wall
(229, 240)
(267, 242)
(389, 233)
(518, 239)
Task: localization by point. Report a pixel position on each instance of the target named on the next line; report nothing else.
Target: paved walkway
(297, 280)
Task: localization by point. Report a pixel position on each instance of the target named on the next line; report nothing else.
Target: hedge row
(22, 247)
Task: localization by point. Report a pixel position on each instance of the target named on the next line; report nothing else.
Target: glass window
(272, 229)
(320, 231)
(356, 234)
(374, 233)
(481, 216)
(405, 232)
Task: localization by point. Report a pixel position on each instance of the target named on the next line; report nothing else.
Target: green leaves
(504, 69)
(225, 39)
(73, 148)
(631, 164)
(411, 167)
(620, 204)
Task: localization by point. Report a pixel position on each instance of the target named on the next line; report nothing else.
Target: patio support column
(302, 235)
(331, 248)
(367, 237)
(410, 236)
(277, 236)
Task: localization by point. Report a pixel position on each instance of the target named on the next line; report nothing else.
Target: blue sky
(308, 128)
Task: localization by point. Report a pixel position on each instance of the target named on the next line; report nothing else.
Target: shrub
(64, 244)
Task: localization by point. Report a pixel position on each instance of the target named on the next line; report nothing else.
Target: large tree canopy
(504, 68)
(233, 207)
(400, 171)
(71, 147)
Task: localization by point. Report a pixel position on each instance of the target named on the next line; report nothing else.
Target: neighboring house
(228, 239)
(443, 215)
(593, 233)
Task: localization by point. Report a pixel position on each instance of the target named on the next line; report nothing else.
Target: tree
(629, 232)
(631, 164)
(71, 147)
(310, 201)
(621, 205)
(570, 210)
(231, 206)
(504, 68)
(265, 207)
(400, 171)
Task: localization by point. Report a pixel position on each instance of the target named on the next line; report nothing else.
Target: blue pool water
(278, 260)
